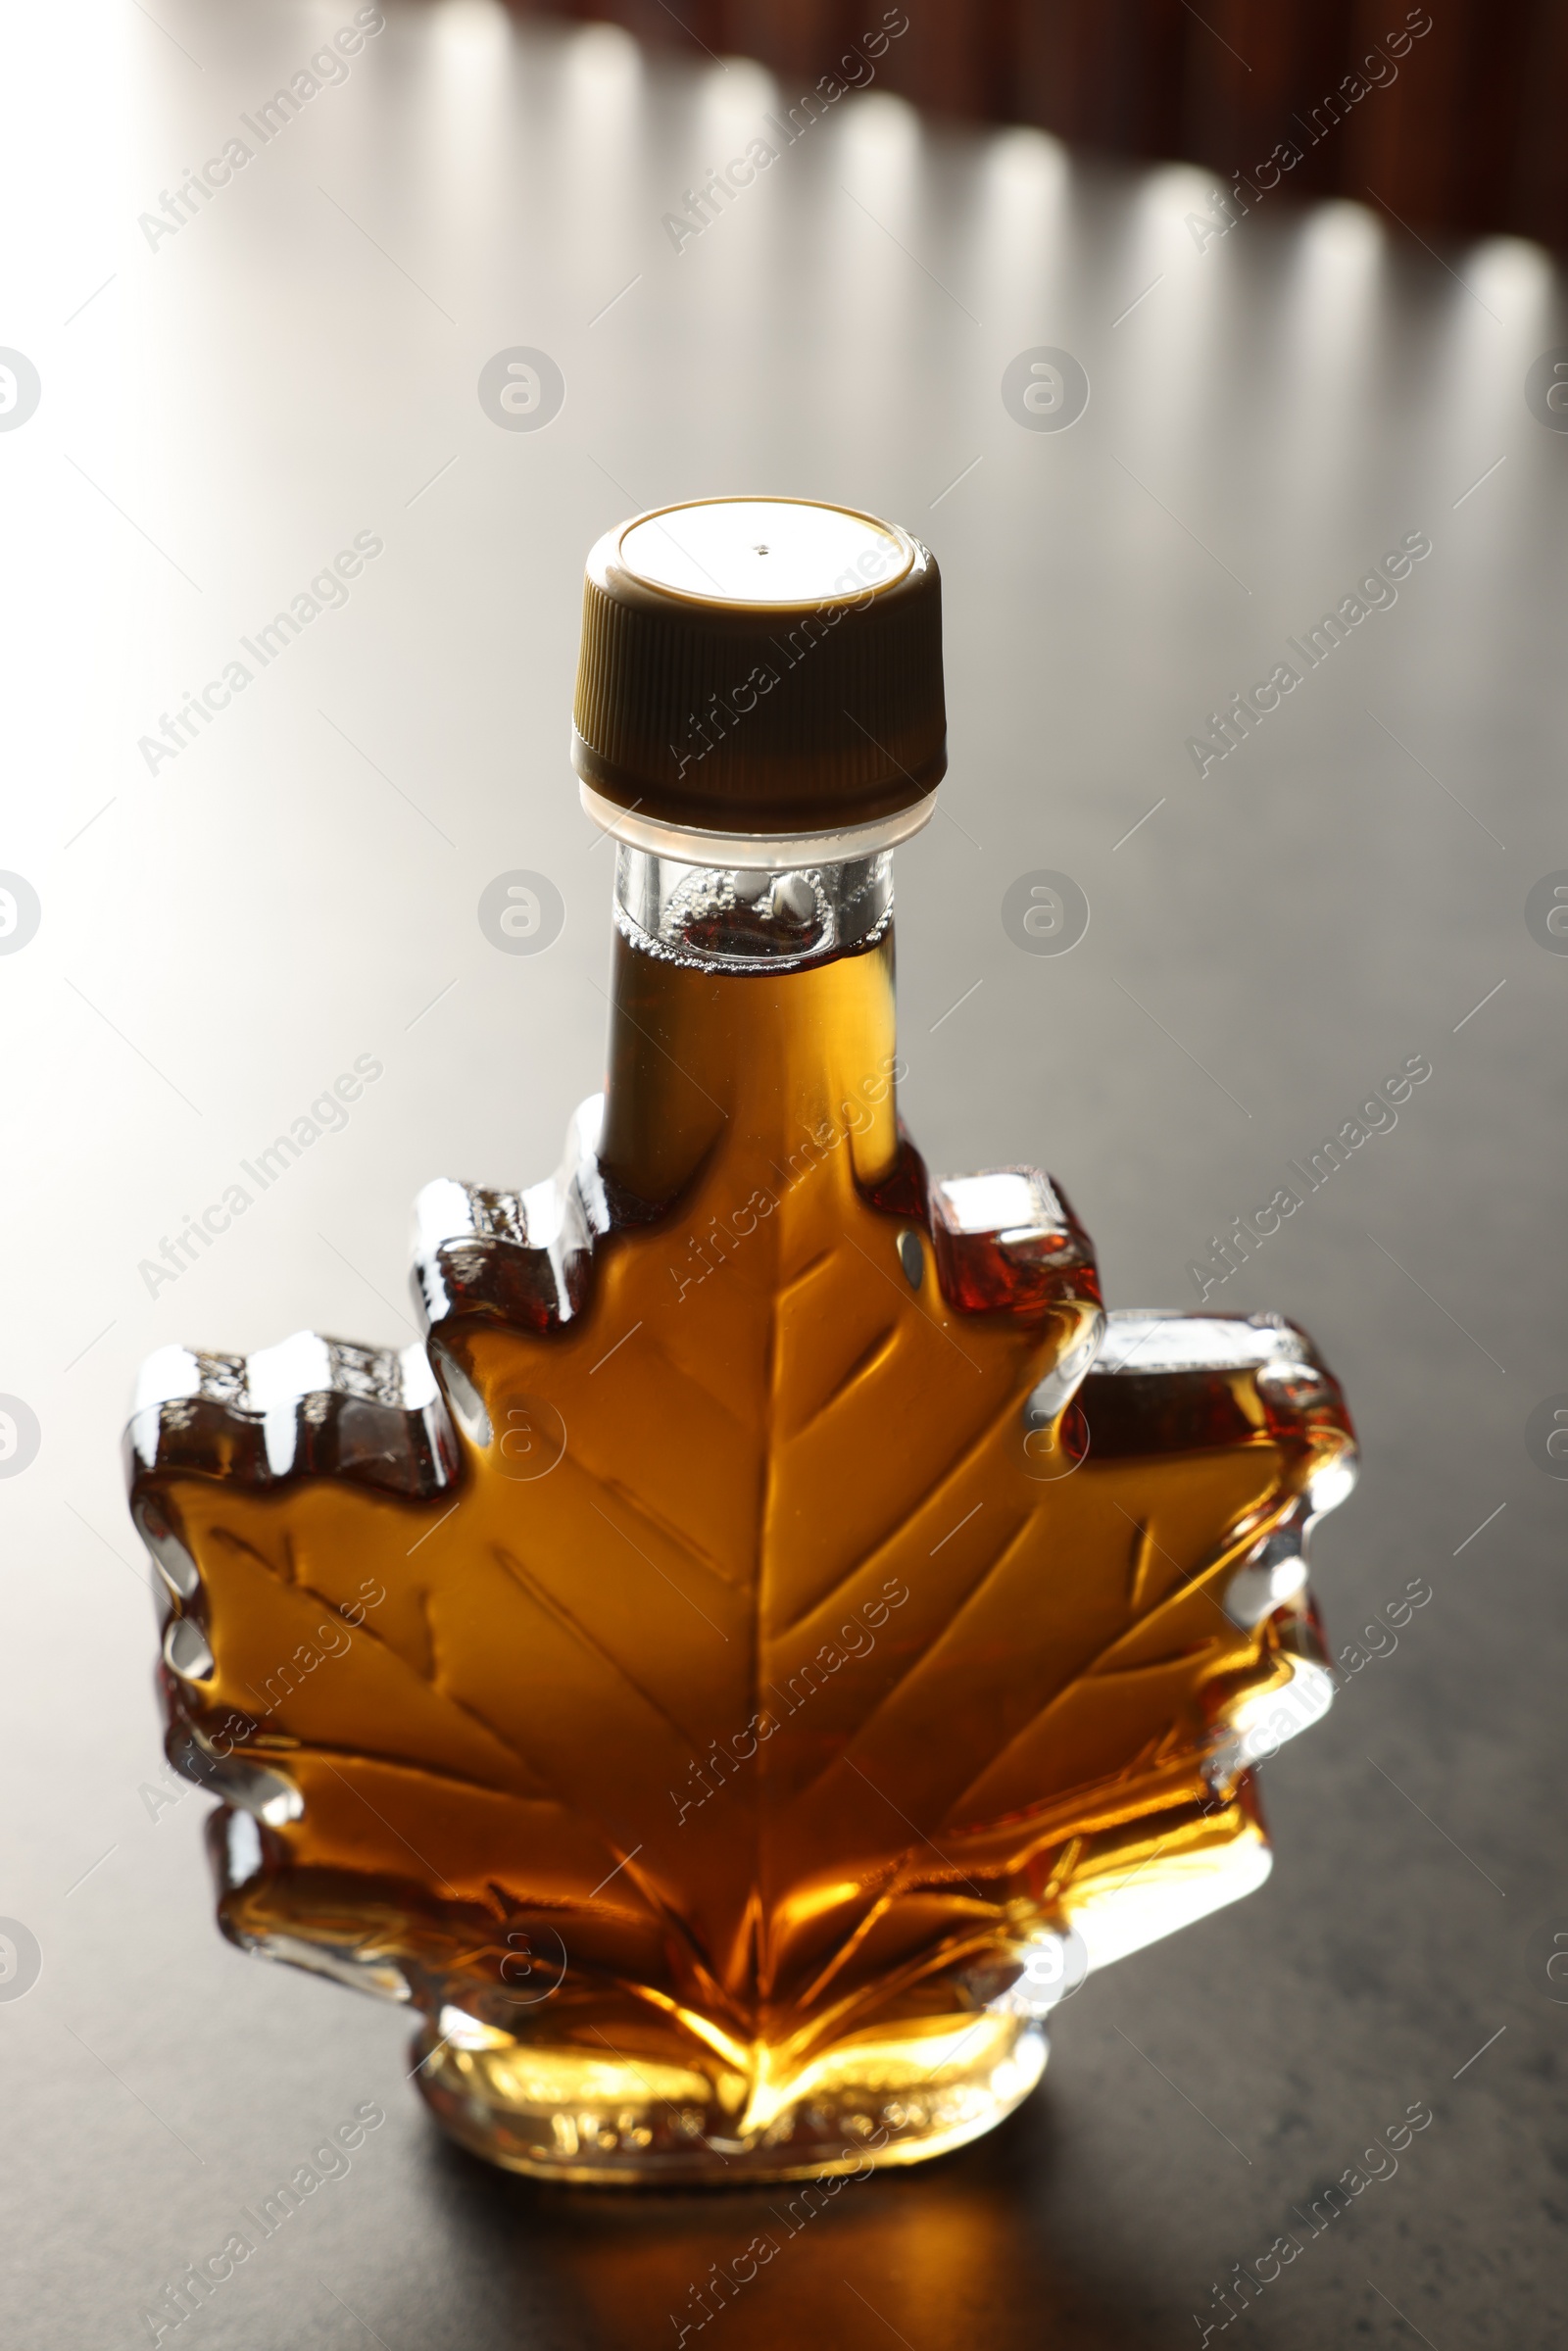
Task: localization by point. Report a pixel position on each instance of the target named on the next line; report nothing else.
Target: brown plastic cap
(760, 668)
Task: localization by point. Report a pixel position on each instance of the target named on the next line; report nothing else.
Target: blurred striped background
(1457, 129)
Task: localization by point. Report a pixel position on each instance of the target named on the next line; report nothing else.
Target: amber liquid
(744, 1699)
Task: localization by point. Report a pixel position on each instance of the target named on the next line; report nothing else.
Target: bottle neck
(752, 1018)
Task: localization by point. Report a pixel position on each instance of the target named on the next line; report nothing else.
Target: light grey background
(1270, 410)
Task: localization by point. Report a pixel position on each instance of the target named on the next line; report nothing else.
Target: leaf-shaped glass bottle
(775, 1635)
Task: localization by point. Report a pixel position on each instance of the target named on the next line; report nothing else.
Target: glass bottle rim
(686, 845)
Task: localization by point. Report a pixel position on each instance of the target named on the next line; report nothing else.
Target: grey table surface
(226, 405)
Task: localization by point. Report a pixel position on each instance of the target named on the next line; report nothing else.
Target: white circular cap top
(764, 551)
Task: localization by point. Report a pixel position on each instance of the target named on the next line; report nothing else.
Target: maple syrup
(775, 1636)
